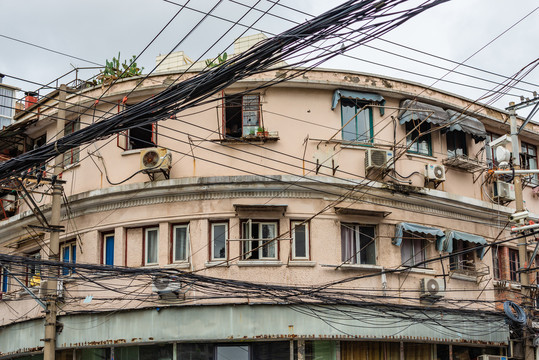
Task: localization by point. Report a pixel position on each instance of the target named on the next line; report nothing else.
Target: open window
(140, 137)
(258, 240)
(219, 236)
(418, 139)
(358, 244)
(242, 115)
(528, 160)
(456, 144)
(108, 249)
(33, 270)
(180, 243)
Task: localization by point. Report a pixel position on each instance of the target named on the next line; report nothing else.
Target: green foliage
(115, 70)
(220, 60)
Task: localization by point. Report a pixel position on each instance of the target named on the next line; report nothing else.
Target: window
(4, 279)
(241, 115)
(456, 144)
(219, 236)
(33, 271)
(300, 240)
(528, 159)
(418, 138)
(180, 241)
(358, 244)
(108, 249)
(71, 156)
(68, 252)
(496, 262)
(237, 352)
(513, 265)
(262, 246)
(140, 137)
(7, 97)
(151, 239)
(464, 261)
(413, 249)
(356, 121)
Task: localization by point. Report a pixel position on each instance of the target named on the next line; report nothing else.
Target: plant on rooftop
(115, 70)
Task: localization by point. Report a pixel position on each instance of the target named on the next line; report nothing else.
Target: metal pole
(523, 245)
(54, 246)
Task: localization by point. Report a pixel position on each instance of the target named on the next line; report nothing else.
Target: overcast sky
(97, 30)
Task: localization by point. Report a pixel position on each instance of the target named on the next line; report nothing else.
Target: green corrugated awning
(356, 95)
(468, 125)
(418, 229)
(459, 235)
(415, 110)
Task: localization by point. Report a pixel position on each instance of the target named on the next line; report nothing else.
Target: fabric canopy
(459, 235)
(418, 229)
(468, 125)
(415, 110)
(355, 95)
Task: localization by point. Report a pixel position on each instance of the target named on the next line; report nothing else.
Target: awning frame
(357, 95)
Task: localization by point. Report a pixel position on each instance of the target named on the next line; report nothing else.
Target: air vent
(435, 172)
(432, 288)
(503, 191)
(378, 159)
(155, 159)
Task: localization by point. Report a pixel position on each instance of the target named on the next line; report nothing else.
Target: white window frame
(174, 240)
(293, 226)
(146, 238)
(213, 225)
(247, 245)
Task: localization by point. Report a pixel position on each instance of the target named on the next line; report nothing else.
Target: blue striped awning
(459, 235)
(415, 110)
(356, 95)
(418, 229)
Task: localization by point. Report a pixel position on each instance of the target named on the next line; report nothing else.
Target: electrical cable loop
(515, 313)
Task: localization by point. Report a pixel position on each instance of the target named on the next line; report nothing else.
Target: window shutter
(154, 133)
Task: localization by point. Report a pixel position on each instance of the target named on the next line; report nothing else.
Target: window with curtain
(456, 144)
(356, 121)
(413, 249)
(418, 139)
(358, 244)
(528, 160)
(151, 240)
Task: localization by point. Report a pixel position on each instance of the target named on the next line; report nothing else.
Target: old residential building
(332, 178)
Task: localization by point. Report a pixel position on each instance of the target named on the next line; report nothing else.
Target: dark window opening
(242, 115)
(418, 138)
(456, 144)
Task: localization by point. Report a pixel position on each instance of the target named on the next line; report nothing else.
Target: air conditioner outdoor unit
(435, 172)
(378, 159)
(491, 357)
(155, 159)
(163, 286)
(503, 191)
(432, 288)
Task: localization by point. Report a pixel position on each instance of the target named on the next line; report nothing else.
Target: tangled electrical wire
(295, 46)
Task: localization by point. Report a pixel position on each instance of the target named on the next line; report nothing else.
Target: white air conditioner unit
(435, 172)
(378, 159)
(431, 288)
(163, 286)
(491, 357)
(155, 159)
(503, 191)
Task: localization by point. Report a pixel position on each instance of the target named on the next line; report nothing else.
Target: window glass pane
(156, 352)
(349, 131)
(268, 232)
(300, 240)
(195, 351)
(219, 241)
(363, 125)
(151, 246)
(347, 244)
(180, 243)
(232, 352)
(6, 102)
(126, 353)
(367, 245)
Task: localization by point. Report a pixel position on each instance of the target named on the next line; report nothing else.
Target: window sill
(366, 267)
(131, 152)
(420, 156)
(216, 263)
(259, 263)
(178, 265)
(150, 265)
(71, 166)
(463, 277)
(424, 271)
(247, 139)
(302, 263)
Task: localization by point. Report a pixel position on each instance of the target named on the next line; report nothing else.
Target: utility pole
(49, 351)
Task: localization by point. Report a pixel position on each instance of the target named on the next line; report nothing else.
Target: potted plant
(260, 131)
